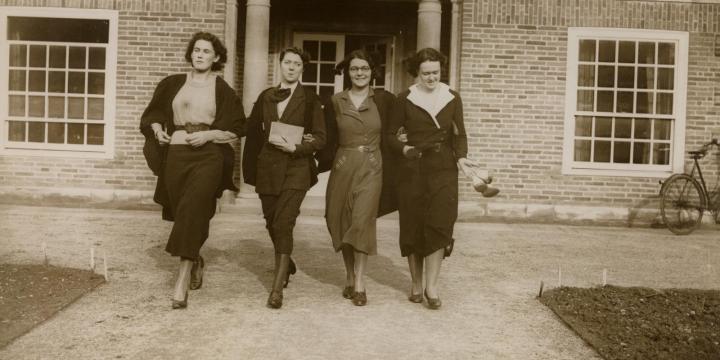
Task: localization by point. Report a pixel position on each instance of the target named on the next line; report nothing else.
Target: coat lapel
(297, 98)
(270, 113)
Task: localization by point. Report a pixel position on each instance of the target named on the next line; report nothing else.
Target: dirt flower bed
(30, 294)
(642, 323)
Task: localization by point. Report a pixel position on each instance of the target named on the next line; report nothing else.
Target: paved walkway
(488, 289)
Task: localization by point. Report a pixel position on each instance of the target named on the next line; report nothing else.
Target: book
(281, 132)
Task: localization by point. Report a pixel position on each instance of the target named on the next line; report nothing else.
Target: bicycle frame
(705, 193)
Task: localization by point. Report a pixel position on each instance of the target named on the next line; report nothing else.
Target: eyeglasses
(354, 69)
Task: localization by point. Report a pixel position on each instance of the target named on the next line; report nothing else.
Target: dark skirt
(192, 178)
(428, 209)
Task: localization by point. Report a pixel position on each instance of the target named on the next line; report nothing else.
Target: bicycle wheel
(682, 204)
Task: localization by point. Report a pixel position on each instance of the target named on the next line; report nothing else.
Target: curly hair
(412, 64)
(299, 52)
(362, 54)
(218, 47)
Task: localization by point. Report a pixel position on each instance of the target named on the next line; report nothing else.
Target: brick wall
(513, 70)
(152, 36)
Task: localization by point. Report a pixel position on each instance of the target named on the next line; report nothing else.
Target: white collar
(441, 93)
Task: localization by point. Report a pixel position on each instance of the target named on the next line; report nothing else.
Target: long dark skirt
(192, 177)
(428, 209)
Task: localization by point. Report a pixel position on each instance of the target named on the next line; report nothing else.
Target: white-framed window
(625, 102)
(57, 81)
(325, 51)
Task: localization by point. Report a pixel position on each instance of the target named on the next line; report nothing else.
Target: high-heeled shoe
(359, 298)
(433, 303)
(292, 269)
(448, 249)
(180, 304)
(416, 298)
(275, 299)
(196, 273)
(348, 292)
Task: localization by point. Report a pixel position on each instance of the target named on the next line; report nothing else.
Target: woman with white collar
(432, 116)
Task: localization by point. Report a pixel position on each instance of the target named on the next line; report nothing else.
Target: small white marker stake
(44, 250)
(559, 276)
(604, 277)
(92, 258)
(105, 266)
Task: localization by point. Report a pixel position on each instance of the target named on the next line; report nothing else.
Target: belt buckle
(191, 128)
(363, 148)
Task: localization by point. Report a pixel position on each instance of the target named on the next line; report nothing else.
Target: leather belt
(361, 148)
(191, 128)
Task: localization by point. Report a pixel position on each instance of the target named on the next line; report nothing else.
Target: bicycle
(683, 199)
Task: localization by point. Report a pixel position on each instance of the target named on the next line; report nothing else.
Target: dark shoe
(448, 249)
(292, 269)
(490, 192)
(196, 273)
(177, 304)
(433, 303)
(348, 292)
(275, 300)
(416, 298)
(359, 298)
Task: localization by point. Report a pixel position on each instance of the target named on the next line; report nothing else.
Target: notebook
(285, 132)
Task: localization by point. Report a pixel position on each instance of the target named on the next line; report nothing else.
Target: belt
(434, 147)
(191, 128)
(361, 148)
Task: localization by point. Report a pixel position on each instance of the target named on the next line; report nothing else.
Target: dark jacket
(384, 102)
(229, 117)
(270, 169)
(450, 138)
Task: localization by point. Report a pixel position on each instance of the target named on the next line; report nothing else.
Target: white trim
(105, 151)
(681, 39)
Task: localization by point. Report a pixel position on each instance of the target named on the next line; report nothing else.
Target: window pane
(310, 74)
(36, 80)
(17, 131)
(666, 53)
(37, 55)
(17, 80)
(587, 50)
(583, 126)
(582, 150)
(641, 153)
(56, 133)
(327, 51)
(625, 102)
(621, 154)
(56, 81)
(18, 55)
(586, 75)
(602, 151)
(16, 104)
(95, 134)
(626, 77)
(663, 129)
(661, 153)
(664, 103)
(605, 101)
(325, 94)
(606, 51)
(76, 133)
(646, 78)
(327, 73)
(36, 131)
(585, 100)
(76, 82)
(77, 57)
(57, 57)
(312, 49)
(76, 108)
(623, 128)
(606, 76)
(646, 53)
(665, 79)
(96, 83)
(96, 58)
(36, 106)
(96, 109)
(58, 29)
(626, 53)
(644, 103)
(642, 128)
(603, 127)
(56, 107)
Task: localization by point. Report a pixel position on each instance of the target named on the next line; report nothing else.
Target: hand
(283, 145)
(411, 152)
(162, 137)
(401, 135)
(467, 162)
(198, 139)
(308, 138)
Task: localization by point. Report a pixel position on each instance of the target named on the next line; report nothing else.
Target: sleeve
(326, 156)
(253, 142)
(318, 131)
(155, 111)
(397, 120)
(459, 143)
(235, 111)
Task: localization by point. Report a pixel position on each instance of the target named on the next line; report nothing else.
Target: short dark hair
(362, 54)
(218, 47)
(299, 52)
(412, 64)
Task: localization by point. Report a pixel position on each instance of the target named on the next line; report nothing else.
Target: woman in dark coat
(432, 116)
(283, 171)
(188, 126)
(359, 172)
